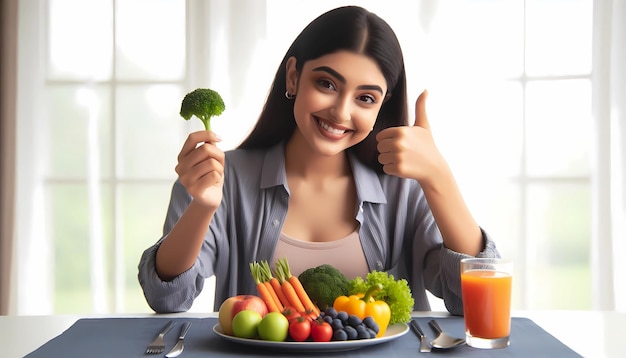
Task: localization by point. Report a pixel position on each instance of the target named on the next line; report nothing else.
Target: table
(590, 333)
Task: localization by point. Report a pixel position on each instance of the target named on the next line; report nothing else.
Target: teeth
(331, 129)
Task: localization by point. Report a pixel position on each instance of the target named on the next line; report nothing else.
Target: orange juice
(487, 303)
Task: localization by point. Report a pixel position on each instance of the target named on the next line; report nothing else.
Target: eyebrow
(343, 79)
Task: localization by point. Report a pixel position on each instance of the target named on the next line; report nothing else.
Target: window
(510, 107)
(106, 136)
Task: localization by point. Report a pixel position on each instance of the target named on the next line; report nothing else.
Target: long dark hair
(349, 28)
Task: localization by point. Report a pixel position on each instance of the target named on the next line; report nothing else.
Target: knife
(425, 346)
(178, 348)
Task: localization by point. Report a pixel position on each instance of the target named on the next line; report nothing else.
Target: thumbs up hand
(421, 119)
(410, 151)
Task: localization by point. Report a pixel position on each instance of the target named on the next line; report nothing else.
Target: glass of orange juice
(486, 289)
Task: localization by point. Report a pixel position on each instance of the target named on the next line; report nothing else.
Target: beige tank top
(345, 254)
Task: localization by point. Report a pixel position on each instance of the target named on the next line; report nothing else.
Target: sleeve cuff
(176, 295)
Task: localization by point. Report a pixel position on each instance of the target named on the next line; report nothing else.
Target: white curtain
(609, 185)
(617, 97)
(618, 120)
(8, 64)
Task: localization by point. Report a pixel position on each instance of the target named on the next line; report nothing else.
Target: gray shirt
(397, 230)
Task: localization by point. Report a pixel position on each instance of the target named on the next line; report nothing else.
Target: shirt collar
(273, 171)
(367, 182)
(368, 187)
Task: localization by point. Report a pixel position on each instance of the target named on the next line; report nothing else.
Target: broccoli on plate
(323, 284)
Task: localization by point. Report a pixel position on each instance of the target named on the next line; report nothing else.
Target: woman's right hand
(200, 168)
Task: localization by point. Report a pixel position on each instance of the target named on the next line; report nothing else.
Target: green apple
(274, 327)
(235, 304)
(246, 323)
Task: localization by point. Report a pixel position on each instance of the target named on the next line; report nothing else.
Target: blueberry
(362, 333)
(343, 315)
(354, 320)
(337, 324)
(340, 335)
(331, 311)
(370, 323)
(352, 333)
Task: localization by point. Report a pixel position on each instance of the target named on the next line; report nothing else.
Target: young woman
(332, 173)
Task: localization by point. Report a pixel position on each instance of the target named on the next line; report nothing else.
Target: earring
(289, 95)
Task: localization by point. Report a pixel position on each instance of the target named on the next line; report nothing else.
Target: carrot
(262, 289)
(292, 296)
(287, 288)
(275, 284)
(300, 291)
(265, 274)
(272, 292)
(279, 292)
(304, 297)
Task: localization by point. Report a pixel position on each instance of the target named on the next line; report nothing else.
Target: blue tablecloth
(128, 337)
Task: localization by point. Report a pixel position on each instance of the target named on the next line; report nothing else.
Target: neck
(301, 161)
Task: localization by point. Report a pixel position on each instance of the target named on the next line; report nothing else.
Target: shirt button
(275, 222)
(379, 264)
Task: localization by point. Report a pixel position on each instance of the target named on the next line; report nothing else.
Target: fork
(158, 346)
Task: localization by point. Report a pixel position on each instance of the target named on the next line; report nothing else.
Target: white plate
(395, 331)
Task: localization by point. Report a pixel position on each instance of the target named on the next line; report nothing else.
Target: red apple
(233, 305)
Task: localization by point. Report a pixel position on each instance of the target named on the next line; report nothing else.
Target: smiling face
(338, 97)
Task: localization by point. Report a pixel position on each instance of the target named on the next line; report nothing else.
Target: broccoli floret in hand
(323, 284)
(204, 103)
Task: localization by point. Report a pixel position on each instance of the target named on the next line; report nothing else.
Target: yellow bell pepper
(363, 305)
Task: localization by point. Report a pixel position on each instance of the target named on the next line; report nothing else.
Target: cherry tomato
(299, 329)
(290, 313)
(321, 331)
(309, 314)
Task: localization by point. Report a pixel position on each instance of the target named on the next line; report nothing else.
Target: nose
(340, 111)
